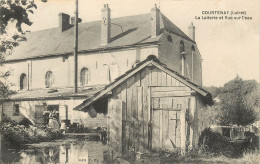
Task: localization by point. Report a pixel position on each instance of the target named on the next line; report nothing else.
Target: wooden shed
(152, 106)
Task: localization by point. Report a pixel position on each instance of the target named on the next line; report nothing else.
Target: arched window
(182, 49)
(192, 48)
(84, 76)
(23, 81)
(49, 79)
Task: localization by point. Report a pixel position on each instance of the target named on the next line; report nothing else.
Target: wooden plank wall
(135, 95)
(115, 124)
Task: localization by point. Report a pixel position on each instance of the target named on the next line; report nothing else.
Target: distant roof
(125, 31)
(151, 60)
(54, 94)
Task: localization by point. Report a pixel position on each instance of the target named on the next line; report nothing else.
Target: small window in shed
(169, 38)
(23, 81)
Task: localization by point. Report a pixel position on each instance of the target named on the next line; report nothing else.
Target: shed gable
(148, 73)
(154, 77)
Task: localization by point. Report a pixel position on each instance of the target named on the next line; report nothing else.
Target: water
(61, 151)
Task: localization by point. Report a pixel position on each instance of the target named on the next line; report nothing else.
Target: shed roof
(151, 60)
(53, 94)
(125, 31)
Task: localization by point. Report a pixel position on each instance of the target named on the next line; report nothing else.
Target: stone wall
(169, 54)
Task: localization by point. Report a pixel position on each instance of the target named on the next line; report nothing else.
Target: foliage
(12, 12)
(236, 102)
(213, 148)
(215, 91)
(217, 144)
(20, 135)
(16, 10)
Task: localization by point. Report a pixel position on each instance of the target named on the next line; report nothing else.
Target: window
(192, 48)
(23, 81)
(169, 38)
(114, 71)
(16, 110)
(182, 49)
(107, 69)
(84, 76)
(49, 79)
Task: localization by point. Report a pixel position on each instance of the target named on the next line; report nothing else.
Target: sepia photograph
(129, 82)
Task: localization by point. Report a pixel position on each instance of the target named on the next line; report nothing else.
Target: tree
(16, 12)
(238, 101)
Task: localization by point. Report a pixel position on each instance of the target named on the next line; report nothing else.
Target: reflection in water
(68, 151)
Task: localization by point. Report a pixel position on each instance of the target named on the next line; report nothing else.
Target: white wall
(119, 62)
(27, 109)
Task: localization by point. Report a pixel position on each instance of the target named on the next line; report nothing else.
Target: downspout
(183, 63)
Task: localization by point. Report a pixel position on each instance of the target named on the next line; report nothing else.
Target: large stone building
(43, 66)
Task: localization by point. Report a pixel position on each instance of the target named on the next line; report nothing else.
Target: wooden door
(39, 109)
(166, 123)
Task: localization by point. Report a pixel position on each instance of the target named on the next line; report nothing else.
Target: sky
(228, 47)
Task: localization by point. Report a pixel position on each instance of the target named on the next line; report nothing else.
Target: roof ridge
(135, 29)
(163, 17)
(94, 21)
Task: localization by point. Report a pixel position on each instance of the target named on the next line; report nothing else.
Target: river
(60, 151)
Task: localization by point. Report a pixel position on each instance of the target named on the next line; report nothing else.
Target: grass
(213, 148)
(252, 157)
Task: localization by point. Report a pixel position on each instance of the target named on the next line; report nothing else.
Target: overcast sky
(228, 47)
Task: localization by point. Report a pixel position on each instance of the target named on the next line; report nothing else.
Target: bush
(19, 134)
(217, 144)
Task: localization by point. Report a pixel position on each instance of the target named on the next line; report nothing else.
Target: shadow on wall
(123, 34)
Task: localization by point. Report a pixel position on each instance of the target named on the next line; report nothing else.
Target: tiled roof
(125, 31)
(53, 94)
(150, 60)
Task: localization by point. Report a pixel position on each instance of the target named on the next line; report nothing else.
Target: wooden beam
(168, 109)
(171, 94)
(167, 89)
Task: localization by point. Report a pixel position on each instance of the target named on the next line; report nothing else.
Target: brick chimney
(191, 31)
(64, 22)
(105, 25)
(155, 21)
